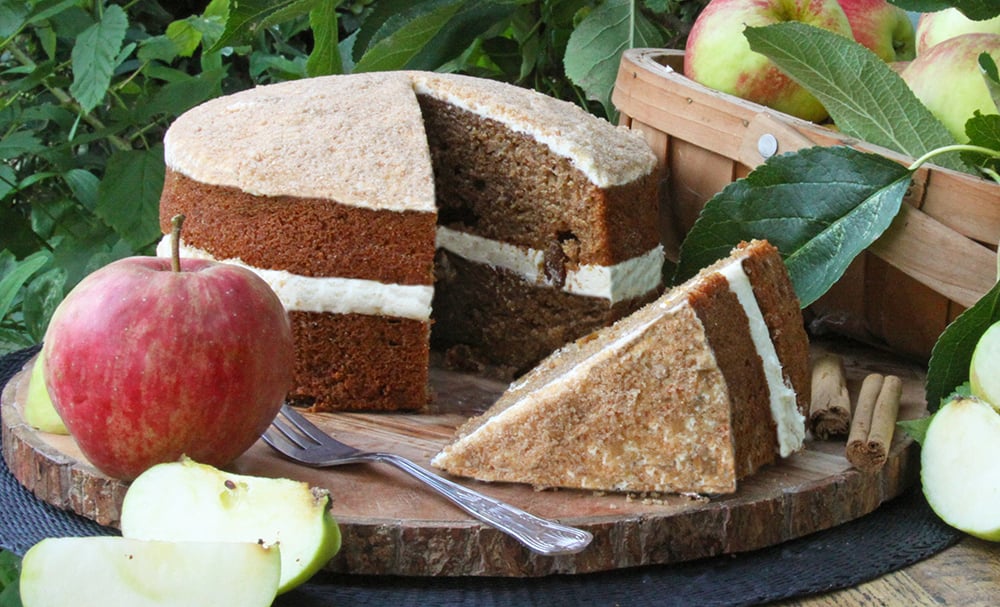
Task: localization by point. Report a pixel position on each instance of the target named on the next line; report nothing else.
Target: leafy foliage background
(87, 89)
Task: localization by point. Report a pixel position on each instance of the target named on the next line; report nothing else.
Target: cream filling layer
(784, 409)
(620, 282)
(331, 294)
(623, 281)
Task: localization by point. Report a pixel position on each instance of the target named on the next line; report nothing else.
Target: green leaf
(863, 95)
(917, 428)
(129, 195)
(18, 143)
(992, 77)
(401, 39)
(11, 282)
(983, 131)
(324, 58)
(10, 572)
(41, 297)
(178, 96)
(84, 185)
(94, 57)
(820, 207)
(595, 47)
(248, 17)
(977, 10)
(952, 354)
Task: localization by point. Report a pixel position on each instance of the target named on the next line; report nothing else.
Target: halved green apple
(118, 571)
(187, 500)
(960, 466)
(38, 411)
(984, 370)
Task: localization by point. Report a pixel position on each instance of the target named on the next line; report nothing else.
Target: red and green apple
(948, 80)
(718, 55)
(148, 359)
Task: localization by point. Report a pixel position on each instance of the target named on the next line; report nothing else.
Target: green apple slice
(960, 466)
(190, 501)
(984, 371)
(39, 412)
(118, 571)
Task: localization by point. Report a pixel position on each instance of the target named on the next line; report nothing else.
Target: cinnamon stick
(830, 403)
(874, 421)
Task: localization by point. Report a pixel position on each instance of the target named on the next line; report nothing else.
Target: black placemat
(900, 533)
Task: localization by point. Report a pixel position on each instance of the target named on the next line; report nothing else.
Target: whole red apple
(884, 28)
(145, 363)
(947, 79)
(938, 26)
(718, 55)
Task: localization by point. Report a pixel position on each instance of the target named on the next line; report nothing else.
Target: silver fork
(300, 440)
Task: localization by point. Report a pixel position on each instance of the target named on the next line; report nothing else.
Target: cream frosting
(620, 282)
(784, 409)
(331, 294)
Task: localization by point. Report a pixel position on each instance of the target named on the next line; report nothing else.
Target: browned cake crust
(725, 323)
(499, 320)
(359, 362)
(632, 410)
(783, 316)
(289, 233)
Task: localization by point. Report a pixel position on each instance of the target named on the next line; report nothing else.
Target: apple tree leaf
(324, 59)
(977, 10)
(18, 274)
(248, 17)
(952, 353)
(992, 77)
(129, 195)
(426, 34)
(820, 207)
(594, 49)
(95, 56)
(863, 95)
(984, 131)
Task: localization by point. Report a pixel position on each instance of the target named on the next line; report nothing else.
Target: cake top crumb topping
(359, 139)
(348, 139)
(607, 154)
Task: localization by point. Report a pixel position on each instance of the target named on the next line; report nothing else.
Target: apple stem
(175, 242)
(958, 147)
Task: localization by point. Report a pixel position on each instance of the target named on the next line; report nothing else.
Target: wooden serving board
(393, 525)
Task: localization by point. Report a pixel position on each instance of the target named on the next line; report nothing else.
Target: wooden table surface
(966, 574)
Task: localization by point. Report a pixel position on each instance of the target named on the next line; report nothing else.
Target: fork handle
(539, 535)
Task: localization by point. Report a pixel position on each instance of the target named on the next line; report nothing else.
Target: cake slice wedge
(689, 394)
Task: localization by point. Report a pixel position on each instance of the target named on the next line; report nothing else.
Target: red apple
(718, 55)
(947, 79)
(145, 363)
(884, 28)
(940, 25)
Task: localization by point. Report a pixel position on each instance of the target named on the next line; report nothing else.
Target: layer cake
(377, 205)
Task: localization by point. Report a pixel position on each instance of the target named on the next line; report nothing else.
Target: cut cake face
(689, 394)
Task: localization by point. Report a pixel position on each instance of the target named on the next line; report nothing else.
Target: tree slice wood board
(393, 525)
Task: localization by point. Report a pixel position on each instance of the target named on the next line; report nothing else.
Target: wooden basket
(937, 258)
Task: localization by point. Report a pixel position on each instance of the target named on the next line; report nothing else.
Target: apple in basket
(718, 55)
(938, 26)
(948, 80)
(883, 28)
(148, 359)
